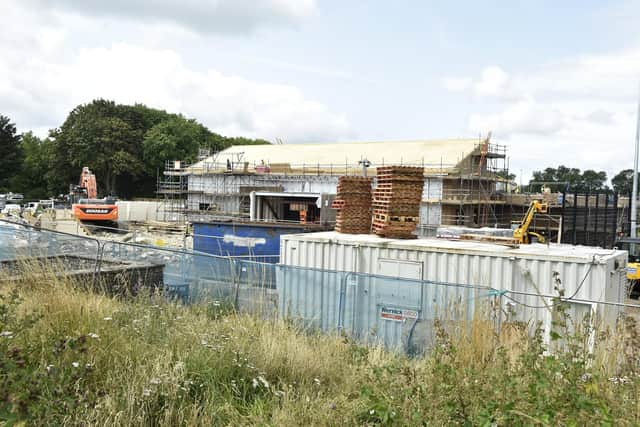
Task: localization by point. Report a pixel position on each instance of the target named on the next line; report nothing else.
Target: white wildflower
(146, 392)
(263, 381)
(279, 393)
(93, 335)
(155, 381)
(49, 368)
(371, 412)
(254, 383)
(88, 365)
(75, 364)
(203, 342)
(107, 318)
(316, 381)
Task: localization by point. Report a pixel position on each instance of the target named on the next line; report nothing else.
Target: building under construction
(296, 182)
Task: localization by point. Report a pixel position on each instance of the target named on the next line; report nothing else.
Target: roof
(441, 154)
(559, 252)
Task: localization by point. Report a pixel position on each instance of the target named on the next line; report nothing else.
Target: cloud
(128, 74)
(43, 75)
(493, 82)
(521, 117)
(579, 111)
(203, 16)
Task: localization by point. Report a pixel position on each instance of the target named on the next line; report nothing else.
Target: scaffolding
(474, 196)
(212, 189)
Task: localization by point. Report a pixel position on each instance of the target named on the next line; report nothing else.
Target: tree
(32, 180)
(10, 155)
(174, 139)
(623, 182)
(104, 136)
(126, 146)
(572, 179)
(505, 174)
(593, 181)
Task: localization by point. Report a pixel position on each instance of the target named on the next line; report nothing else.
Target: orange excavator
(85, 204)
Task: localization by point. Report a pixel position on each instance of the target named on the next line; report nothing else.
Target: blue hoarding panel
(253, 241)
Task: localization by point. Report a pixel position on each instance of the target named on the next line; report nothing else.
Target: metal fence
(398, 313)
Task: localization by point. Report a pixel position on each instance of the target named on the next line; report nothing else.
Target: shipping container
(459, 272)
(256, 241)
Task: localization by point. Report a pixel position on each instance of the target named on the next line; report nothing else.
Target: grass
(69, 357)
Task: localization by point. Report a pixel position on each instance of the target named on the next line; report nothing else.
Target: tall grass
(69, 357)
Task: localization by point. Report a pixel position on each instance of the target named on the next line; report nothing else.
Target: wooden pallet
(396, 218)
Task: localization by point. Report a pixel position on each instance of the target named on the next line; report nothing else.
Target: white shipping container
(589, 275)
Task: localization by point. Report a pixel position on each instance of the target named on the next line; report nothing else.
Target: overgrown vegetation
(74, 358)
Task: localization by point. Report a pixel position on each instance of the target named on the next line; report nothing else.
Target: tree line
(573, 179)
(124, 145)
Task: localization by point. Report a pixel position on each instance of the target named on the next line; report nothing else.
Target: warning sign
(397, 314)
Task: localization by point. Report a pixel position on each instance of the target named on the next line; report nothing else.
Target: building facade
(296, 182)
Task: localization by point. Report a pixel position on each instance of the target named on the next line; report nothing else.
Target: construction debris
(353, 202)
(396, 201)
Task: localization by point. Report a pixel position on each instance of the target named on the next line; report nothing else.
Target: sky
(556, 82)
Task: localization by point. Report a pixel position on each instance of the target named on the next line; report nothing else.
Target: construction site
(378, 240)
(461, 186)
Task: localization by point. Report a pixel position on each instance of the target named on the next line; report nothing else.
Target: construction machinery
(85, 204)
(521, 232)
(632, 246)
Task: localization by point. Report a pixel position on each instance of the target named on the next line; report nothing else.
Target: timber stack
(396, 201)
(353, 202)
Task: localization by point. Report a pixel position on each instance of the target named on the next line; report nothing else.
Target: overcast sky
(557, 82)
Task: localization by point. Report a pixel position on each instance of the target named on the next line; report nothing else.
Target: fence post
(606, 211)
(575, 216)
(343, 290)
(98, 265)
(587, 216)
(236, 285)
(499, 314)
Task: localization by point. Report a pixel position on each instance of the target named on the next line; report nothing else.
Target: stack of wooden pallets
(396, 201)
(353, 202)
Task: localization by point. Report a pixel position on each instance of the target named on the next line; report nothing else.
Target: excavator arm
(522, 233)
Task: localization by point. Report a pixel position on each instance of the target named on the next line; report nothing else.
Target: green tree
(32, 180)
(174, 139)
(623, 182)
(10, 154)
(239, 140)
(126, 146)
(593, 181)
(506, 175)
(104, 136)
(572, 179)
